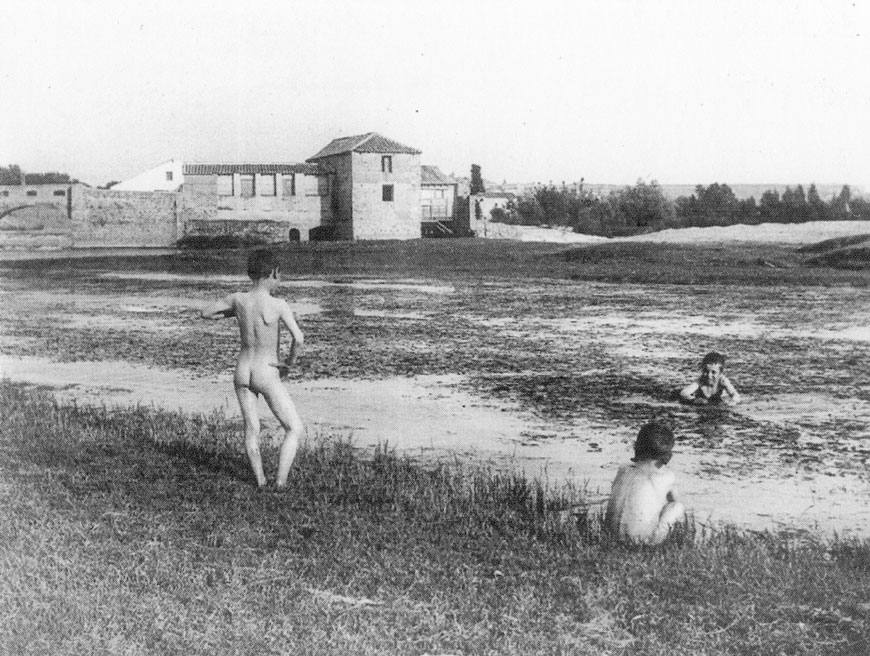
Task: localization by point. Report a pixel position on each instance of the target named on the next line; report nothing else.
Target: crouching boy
(643, 507)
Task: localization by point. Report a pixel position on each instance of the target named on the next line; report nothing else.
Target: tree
(476, 180)
(642, 208)
(818, 211)
(11, 175)
(770, 207)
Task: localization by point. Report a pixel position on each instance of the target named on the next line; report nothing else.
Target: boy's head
(655, 441)
(712, 366)
(261, 264)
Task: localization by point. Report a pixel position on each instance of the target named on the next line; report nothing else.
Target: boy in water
(257, 369)
(643, 507)
(712, 386)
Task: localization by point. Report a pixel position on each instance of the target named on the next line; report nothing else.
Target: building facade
(263, 202)
(376, 193)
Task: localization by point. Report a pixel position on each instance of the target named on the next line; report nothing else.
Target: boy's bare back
(259, 316)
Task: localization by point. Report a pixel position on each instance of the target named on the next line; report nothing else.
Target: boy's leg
(285, 410)
(248, 404)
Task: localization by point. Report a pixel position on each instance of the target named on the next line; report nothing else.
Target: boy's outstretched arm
(221, 309)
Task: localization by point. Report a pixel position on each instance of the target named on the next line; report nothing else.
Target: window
(290, 185)
(387, 192)
(225, 185)
(247, 186)
(59, 192)
(31, 192)
(387, 163)
(266, 184)
(312, 185)
(5, 194)
(169, 176)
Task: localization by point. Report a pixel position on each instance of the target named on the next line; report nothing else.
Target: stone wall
(35, 216)
(108, 218)
(375, 218)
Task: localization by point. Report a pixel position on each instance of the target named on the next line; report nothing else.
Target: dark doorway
(294, 234)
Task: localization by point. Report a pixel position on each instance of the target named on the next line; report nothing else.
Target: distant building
(168, 176)
(262, 202)
(438, 204)
(377, 187)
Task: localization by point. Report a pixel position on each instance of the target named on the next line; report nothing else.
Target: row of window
(33, 192)
(265, 184)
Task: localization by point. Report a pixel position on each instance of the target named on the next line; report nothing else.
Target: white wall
(155, 179)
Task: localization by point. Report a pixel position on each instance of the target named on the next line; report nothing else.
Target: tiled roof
(432, 175)
(371, 142)
(247, 169)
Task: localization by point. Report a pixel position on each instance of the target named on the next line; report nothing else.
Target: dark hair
(713, 358)
(655, 441)
(261, 264)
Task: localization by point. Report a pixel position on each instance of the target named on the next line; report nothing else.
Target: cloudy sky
(613, 91)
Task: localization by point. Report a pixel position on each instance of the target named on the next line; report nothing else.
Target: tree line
(645, 208)
(13, 175)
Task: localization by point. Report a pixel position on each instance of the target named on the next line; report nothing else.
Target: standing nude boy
(257, 369)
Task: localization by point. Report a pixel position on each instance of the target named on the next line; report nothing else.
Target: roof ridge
(368, 137)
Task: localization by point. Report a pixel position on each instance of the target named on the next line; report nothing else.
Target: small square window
(387, 163)
(5, 194)
(266, 184)
(59, 192)
(247, 184)
(31, 192)
(225, 185)
(169, 176)
(387, 192)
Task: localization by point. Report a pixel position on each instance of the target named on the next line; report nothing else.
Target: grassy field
(138, 532)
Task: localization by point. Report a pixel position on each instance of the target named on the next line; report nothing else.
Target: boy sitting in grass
(258, 371)
(643, 508)
(712, 386)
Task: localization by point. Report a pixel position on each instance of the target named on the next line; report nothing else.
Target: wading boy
(643, 506)
(712, 386)
(258, 371)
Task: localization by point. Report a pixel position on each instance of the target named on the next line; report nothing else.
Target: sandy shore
(774, 233)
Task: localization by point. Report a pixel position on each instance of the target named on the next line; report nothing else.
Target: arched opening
(294, 234)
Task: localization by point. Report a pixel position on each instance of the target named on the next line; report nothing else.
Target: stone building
(360, 187)
(377, 187)
(257, 202)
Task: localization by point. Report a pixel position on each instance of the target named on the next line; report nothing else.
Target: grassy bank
(137, 531)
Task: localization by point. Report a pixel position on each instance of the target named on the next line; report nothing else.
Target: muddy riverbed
(553, 377)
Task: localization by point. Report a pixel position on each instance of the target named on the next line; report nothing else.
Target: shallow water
(553, 378)
(430, 418)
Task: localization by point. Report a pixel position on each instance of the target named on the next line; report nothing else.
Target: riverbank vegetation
(644, 208)
(138, 531)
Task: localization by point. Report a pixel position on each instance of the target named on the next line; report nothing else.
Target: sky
(682, 92)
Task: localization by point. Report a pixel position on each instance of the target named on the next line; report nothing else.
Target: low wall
(250, 231)
(35, 216)
(105, 218)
